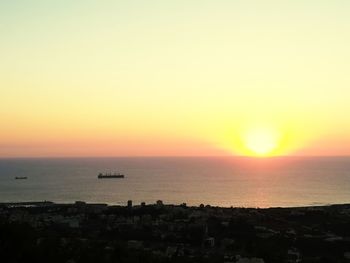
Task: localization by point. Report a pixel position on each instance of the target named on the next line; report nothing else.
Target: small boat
(110, 175)
(21, 177)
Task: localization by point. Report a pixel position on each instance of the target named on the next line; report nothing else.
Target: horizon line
(172, 156)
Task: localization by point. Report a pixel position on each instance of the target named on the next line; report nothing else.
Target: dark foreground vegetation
(80, 232)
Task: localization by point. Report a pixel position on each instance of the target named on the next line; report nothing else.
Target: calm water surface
(224, 181)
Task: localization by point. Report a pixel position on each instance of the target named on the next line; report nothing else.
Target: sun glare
(261, 142)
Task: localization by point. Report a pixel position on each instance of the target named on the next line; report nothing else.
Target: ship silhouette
(110, 175)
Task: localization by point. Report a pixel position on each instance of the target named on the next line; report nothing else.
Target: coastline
(53, 203)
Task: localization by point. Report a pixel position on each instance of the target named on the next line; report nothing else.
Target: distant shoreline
(51, 203)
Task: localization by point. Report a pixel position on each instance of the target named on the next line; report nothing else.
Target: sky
(174, 78)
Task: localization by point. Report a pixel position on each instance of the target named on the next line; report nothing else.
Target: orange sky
(85, 78)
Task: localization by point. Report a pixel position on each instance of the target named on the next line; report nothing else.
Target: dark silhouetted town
(82, 232)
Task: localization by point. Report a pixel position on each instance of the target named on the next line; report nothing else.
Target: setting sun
(261, 142)
(174, 78)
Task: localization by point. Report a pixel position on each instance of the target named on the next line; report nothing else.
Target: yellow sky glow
(84, 78)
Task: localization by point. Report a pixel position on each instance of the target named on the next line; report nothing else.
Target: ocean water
(223, 181)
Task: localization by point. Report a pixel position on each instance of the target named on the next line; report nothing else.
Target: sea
(216, 181)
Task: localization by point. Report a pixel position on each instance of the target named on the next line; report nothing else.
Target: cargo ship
(21, 177)
(110, 175)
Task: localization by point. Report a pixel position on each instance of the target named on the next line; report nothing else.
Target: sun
(261, 142)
